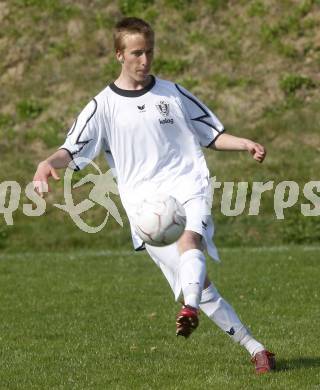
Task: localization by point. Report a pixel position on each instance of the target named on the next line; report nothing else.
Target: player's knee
(189, 240)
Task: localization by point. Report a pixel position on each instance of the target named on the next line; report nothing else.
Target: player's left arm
(210, 131)
(230, 142)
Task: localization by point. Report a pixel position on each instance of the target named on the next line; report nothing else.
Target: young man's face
(137, 56)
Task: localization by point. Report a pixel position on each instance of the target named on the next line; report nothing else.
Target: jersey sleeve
(205, 124)
(85, 138)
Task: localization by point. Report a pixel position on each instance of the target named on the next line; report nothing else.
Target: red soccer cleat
(264, 361)
(187, 321)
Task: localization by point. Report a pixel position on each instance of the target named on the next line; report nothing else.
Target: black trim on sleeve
(216, 137)
(205, 112)
(142, 247)
(73, 127)
(82, 144)
(67, 150)
(71, 155)
(131, 92)
(85, 125)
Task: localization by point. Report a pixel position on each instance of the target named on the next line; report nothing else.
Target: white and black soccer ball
(160, 220)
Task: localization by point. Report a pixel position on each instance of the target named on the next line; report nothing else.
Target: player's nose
(145, 60)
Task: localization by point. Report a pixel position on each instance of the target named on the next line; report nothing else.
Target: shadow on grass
(297, 363)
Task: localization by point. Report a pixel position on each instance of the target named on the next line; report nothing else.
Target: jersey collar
(133, 93)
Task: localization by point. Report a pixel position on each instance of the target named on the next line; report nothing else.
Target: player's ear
(119, 56)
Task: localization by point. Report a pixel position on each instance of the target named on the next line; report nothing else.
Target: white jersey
(152, 138)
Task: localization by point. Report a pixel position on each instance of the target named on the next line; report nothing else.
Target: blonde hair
(130, 25)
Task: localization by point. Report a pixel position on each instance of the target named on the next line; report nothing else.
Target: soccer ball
(160, 220)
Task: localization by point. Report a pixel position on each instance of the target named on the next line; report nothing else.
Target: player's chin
(142, 76)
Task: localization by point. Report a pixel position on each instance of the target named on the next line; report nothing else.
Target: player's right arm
(82, 145)
(87, 135)
(47, 168)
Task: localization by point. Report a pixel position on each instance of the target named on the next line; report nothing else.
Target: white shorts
(167, 258)
(199, 221)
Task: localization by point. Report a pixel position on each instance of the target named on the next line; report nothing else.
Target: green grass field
(106, 320)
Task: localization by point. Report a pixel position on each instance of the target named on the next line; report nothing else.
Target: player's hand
(257, 151)
(41, 177)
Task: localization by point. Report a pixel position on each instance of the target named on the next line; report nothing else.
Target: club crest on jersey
(163, 108)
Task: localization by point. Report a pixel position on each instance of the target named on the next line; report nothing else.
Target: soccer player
(152, 132)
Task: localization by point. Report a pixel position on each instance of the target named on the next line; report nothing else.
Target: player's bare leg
(192, 271)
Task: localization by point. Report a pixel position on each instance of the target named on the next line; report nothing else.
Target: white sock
(220, 311)
(192, 271)
(224, 316)
(251, 345)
